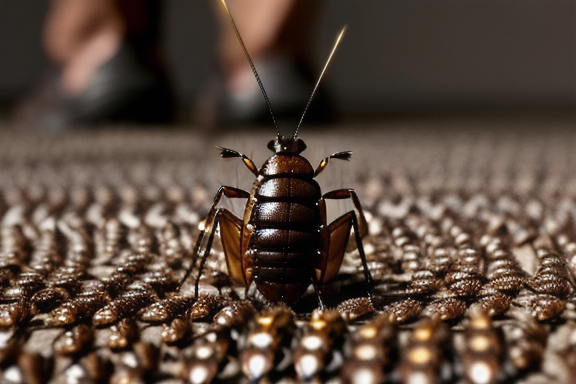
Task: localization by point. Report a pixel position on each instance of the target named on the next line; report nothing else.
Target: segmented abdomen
(286, 240)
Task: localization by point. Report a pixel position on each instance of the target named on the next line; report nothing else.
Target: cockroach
(161, 281)
(552, 275)
(171, 248)
(316, 343)
(283, 243)
(270, 330)
(14, 314)
(406, 242)
(146, 357)
(67, 278)
(483, 350)
(207, 306)
(425, 353)
(35, 368)
(468, 286)
(526, 343)
(125, 305)
(355, 308)
(371, 350)
(494, 304)
(424, 282)
(444, 309)
(123, 334)
(403, 310)
(11, 344)
(135, 264)
(138, 365)
(208, 353)
(178, 330)
(546, 307)
(114, 284)
(92, 368)
(167, 309)
(79, 309)
(236, 314)
(25, 286)
(75, 341)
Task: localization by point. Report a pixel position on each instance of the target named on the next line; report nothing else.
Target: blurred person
(108, 67)
(278, 36)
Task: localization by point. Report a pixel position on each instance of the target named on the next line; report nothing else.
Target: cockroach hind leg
(344, 223)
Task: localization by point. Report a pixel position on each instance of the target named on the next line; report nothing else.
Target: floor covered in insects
(471, 243)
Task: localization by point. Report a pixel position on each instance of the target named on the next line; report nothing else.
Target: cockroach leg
(357, 221)
(210, 227)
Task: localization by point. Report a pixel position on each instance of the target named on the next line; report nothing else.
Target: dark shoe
(124, 89)
(288, 87)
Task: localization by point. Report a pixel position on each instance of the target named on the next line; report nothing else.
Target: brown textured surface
(462, 214)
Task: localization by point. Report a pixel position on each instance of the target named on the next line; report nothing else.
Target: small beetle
(283, 243)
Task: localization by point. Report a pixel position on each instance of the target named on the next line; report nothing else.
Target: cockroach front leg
(210, 225)
(345, 155)
(220, 214)
(227, 153)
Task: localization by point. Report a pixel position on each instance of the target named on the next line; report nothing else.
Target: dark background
(398, 55)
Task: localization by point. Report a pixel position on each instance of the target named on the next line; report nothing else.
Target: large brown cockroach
(283, 243)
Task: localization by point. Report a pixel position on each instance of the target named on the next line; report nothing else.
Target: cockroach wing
(230, 232)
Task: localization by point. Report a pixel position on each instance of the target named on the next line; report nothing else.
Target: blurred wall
(398, 54)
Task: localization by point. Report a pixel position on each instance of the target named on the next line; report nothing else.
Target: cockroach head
(286, 144)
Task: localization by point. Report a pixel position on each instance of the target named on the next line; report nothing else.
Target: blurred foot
(92, 91)
(239, 101)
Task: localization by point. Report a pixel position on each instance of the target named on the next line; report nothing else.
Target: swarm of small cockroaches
(478, 303)
(469, 285)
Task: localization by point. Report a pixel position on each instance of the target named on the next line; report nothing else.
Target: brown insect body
(283, 243)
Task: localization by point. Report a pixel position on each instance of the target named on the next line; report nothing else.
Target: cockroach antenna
(251, 64)
(336, 43)
(259, 247)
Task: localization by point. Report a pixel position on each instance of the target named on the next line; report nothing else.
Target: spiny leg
(325, 161)
(205, 255)
(227, 153)
(209, 226)
(367, 274)
(359, 226)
